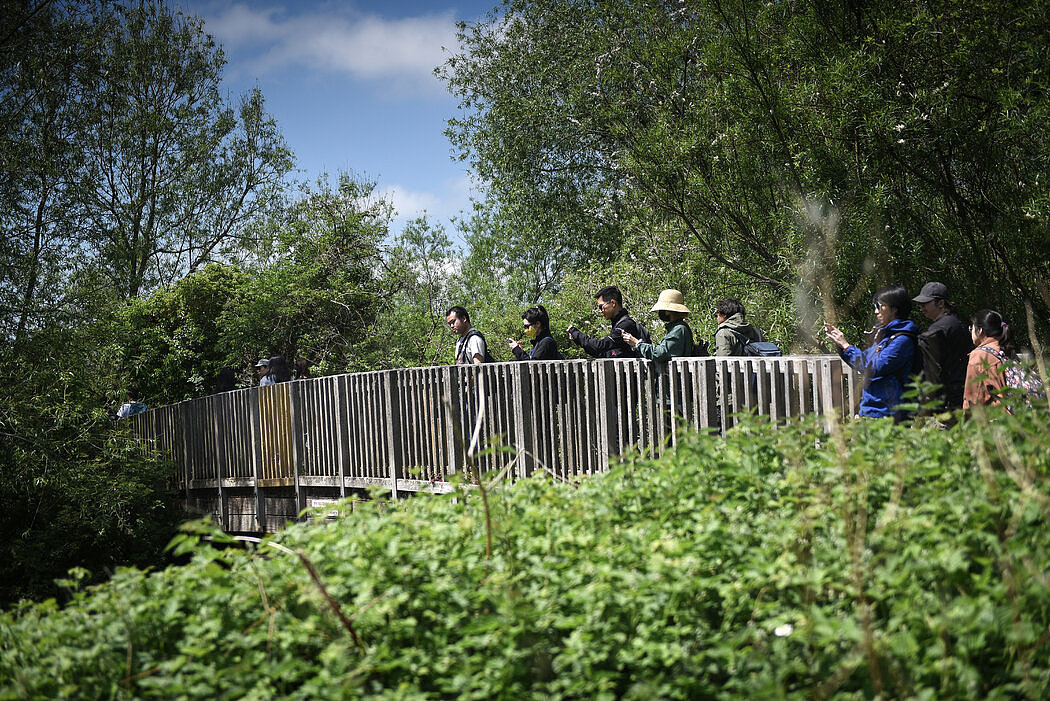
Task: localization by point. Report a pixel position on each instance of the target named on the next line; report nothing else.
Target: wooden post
(295, 422)
(391, 387)
(256, 426)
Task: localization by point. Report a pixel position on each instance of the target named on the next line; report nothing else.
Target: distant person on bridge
(262, 367)
(733, 332)
(537, 326)
(302, 369)
(132, 406)
(947, 344)
(470, 346)
(226, 381)
(277, 371)
(610, 305)
(887, 363)
(678, 337)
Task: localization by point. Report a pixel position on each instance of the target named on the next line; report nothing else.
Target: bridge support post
(295, 420)
(394, 428)
(524, 440)
(256, 427)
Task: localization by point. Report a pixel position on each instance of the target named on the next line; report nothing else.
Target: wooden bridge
(255, 458)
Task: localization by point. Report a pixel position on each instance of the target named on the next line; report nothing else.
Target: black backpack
(488, 356)
(757, 349)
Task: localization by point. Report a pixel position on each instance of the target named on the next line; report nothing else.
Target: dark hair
(610, 292)
(133, 394)
(538, 315)
(302, 369)
(279, 369)
(991, 324)
(225, 381)
(730, 306)
(459, 312)
(897, 297)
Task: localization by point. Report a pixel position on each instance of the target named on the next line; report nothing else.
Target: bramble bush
(874, 561)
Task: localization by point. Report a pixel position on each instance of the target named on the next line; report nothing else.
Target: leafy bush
(874, 561)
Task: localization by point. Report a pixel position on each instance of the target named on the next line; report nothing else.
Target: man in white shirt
(470, 346)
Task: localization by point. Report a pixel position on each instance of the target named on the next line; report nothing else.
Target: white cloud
(402, 52)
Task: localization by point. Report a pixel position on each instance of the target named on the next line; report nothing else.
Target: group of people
(626, 338)
(965, 363)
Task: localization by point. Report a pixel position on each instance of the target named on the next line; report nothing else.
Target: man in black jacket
(945, 346)
(610, 304)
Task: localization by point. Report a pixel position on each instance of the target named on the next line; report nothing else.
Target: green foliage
(793, 150)
(874, 561)
(77, 489)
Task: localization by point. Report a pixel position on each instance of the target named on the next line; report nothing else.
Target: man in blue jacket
(889, 361)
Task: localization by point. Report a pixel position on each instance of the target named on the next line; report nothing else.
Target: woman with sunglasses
(536, 325)
(888, 362)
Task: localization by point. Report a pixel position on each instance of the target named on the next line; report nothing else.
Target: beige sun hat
(670, 301)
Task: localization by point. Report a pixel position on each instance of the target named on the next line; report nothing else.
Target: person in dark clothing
(947, 343)
(537, 327)
(610, 304)
(226, 381)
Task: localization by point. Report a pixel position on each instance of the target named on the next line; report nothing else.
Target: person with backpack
(132, 406)
(734, 336)
(944, 347)
(537, 326)
(887, 363)
(993, 350)
(678, 337)
(470, 346)
(610, 305)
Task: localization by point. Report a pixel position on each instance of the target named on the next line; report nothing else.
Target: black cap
(930, 292)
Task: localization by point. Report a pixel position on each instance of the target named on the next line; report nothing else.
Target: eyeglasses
(526, 326)
(603, 305)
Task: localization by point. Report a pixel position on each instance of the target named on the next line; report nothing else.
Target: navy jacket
(885, 366)
(545, 348)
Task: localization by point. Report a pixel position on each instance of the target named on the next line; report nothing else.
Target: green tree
(177, 173)
(797, 148)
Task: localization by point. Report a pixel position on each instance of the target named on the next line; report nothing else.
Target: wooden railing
(255, 458)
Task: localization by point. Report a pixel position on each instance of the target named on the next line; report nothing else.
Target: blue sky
(352, 88)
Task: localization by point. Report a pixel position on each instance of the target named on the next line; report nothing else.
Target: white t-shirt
(475, 346)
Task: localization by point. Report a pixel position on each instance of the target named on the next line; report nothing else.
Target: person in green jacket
(678, 337)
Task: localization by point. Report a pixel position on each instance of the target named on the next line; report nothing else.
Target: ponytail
(991, 324)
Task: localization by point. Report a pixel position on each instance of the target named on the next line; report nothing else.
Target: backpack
(488, 356)
(757, 349)
(1017, 376)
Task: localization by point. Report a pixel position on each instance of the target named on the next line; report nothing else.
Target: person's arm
(476, 349)
(596, 347)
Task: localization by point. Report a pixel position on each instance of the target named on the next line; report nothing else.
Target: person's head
(133, 394)
(892, 303)
(670, 306)
(933, 300)
(536, 322)
(263, 366)
(302, 368)
(458, 320)
(727, 307)
(279, 369)
(989, 324)
(610, 301)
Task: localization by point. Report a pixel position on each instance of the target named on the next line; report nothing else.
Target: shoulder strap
(997, 354)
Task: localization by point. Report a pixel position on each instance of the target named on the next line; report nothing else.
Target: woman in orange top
(992, 346)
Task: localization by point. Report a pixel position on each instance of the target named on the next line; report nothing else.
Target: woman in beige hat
(678, 337)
